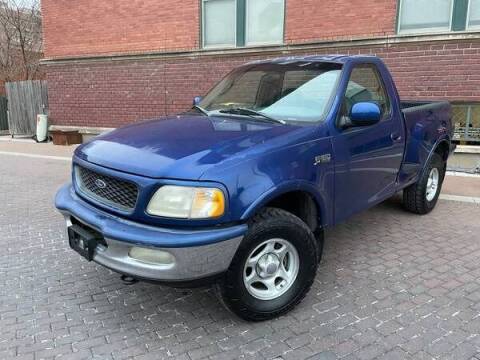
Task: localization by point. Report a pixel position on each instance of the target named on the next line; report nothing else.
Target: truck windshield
(295, 91)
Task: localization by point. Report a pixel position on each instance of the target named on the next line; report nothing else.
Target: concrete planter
(66, 137)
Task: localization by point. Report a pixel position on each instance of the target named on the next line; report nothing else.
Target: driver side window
(365, 84)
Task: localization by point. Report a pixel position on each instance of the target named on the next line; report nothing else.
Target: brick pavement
(462, 185)
(392, 285)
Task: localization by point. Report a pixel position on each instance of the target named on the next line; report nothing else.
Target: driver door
(367, 158)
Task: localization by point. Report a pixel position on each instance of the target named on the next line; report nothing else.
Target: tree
(20, 39)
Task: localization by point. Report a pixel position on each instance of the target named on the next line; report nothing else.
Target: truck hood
(180, 147)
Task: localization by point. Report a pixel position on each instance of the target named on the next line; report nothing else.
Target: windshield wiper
(202, 110)
(252, 113)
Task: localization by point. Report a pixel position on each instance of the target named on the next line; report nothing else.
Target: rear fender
(426, 127)
(443, 139)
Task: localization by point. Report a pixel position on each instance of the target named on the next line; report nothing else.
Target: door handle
(396, 137)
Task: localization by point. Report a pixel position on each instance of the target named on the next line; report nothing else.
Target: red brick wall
(111, 94)
(93, 27)
(310, 20)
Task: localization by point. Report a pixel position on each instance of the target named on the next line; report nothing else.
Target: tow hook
(128, 280)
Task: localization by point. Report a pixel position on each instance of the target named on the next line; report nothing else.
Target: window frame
(240, 28)
(203, 32)
(459, 16)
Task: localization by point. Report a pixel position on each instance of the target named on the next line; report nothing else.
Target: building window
(466, 118)
(219, 23)
(264, 22)
(474, 14)
(434, 16)
(419, 16)
(230, 23)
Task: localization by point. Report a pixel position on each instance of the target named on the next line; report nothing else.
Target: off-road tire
(271, 223)
(320, 236)
(414, 196)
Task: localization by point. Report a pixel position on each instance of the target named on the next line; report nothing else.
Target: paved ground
(392, 285)
(462, 185)
(31, 147)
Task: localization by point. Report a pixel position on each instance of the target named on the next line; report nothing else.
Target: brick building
(109, 63)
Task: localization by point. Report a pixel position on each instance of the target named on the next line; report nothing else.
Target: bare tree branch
(20, 39)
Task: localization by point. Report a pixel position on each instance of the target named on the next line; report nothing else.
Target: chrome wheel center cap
(267, 265)
(271, 269)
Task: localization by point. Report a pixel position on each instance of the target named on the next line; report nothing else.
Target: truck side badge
(322, 159)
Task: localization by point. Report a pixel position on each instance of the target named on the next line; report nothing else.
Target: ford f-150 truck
(240, 188)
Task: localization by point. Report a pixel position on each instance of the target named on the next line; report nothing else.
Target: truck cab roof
(338, 59)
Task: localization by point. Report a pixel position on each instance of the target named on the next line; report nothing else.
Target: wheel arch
(301, 199)
(442, 148)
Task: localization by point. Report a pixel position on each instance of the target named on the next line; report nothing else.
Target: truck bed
(413, 105)
(426, 112)
(423, 122)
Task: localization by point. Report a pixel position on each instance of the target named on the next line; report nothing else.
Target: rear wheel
(274, 267)
(421, 197)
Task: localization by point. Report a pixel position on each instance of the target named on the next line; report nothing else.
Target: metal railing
(466, 118)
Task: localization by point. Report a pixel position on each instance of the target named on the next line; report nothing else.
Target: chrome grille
(105, 189)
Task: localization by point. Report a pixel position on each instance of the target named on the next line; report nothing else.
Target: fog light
(151, 256)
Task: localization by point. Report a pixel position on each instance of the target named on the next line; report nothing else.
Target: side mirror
(365, 113)
(196, 100)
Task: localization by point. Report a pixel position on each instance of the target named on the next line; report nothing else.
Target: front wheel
(421, 197)
(273, 268)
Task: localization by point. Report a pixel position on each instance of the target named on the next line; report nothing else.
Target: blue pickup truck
(239, 189)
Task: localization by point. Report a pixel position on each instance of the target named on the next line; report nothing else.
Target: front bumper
(197, 254)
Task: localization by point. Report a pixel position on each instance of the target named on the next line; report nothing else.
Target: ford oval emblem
(100, 184)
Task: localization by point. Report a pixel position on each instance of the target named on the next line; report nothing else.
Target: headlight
(187, 202)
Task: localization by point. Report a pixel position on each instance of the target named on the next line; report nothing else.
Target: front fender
(320, 198)
(278, 167)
